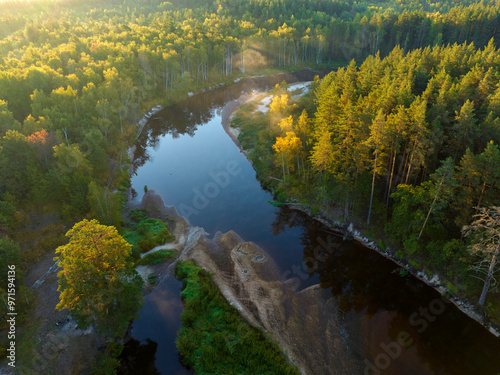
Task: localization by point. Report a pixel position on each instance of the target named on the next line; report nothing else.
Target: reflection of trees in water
(359, 278)
(184, 117)
(138, 357)
(362, 282)
(286, 218)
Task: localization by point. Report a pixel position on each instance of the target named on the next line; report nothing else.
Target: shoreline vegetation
(215, 338)
(231, 118)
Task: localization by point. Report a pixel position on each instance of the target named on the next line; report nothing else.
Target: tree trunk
(97, 338)
(488, 278)
(410, 163)
(373, 187)
(402, 167)
(65, 135)
(481, 196)
(346, 208)
(390, 181)
(283, 165)
(121, 121)
(430, 209)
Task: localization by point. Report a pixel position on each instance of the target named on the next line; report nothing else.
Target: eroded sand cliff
(304, 322)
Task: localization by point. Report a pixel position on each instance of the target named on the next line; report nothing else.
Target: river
(391, 323)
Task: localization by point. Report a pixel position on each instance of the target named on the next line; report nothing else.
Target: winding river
(390, 324)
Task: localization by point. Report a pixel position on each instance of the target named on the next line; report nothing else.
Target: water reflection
(159, 321)
(138, 357)
(167, 303)
(378, 307)
(185, 117)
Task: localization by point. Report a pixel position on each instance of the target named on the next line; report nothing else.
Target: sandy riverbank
(304, 322)
(227, 115)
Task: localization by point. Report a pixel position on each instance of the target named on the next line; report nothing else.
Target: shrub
(152, 279)
(156, 257)
(108, 362)
(452, 288)
(146, 234)
(415, 264)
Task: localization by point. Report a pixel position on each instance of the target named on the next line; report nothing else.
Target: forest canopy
(75, 75)
(404, 133)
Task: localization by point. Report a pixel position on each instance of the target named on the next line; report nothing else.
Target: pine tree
(377, 141)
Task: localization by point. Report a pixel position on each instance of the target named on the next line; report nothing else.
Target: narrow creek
(390, 324)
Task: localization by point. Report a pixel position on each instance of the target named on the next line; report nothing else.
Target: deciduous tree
(485, 231)
(97, 282)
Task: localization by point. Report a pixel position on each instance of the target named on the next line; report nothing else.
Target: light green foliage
(70, 158)
(105, 206)
(145, 233)
(156, 257)
(17, 158)
(7, 121)
(214, 338)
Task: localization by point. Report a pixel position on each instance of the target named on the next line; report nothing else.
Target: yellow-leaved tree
(98, 283)
(288, 148)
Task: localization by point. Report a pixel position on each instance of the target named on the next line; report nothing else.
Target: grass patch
(152, 279)
(452, 288)
(145, 233)
(276, 204)
(214, 338)
(381, 244)
(156, 257)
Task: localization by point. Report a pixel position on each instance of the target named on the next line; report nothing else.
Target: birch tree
(485, 230)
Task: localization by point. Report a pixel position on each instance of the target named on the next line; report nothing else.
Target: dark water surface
(390, 324)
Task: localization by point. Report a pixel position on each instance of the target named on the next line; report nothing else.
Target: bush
(156, 257)
(146, 234)
(152, 279)
(108, 362)
(415, 264)
(451, 288)
(138, 214)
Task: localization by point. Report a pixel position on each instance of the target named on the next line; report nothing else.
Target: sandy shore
(227, 115)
